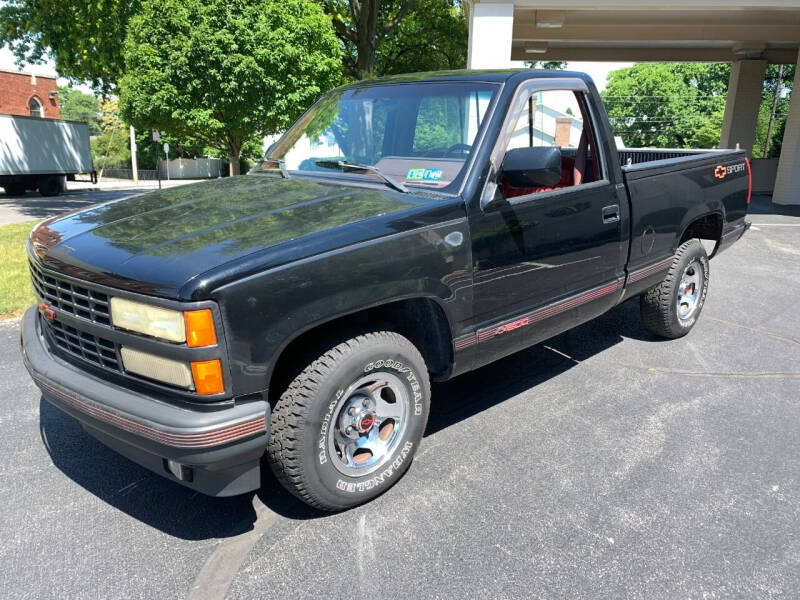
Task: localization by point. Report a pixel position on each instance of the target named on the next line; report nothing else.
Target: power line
(665, 96)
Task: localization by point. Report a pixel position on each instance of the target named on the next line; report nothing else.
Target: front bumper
(219, 450)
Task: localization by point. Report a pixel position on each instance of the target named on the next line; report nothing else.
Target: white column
(787, 182)
(741, 106)
(490, 31)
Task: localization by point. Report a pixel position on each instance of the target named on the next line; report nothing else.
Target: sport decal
(722, 171)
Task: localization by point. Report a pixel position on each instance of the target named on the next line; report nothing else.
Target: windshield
(415, 134)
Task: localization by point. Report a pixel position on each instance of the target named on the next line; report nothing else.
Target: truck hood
(159, 242)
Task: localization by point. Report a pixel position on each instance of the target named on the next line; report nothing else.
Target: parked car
(404, 230)
(41, 154)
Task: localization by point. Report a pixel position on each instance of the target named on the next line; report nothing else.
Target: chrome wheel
(689, 290)
(368, 422)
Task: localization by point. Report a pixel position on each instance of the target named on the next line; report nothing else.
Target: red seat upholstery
(567, 175)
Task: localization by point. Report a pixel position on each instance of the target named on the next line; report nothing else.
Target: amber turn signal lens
(199, 328)
(207, 376)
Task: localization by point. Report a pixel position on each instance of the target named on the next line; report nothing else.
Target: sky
(7, 62)
(597, 70)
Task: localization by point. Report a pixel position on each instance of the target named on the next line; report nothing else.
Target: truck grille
(71, 298)
(84, 346)
(82, 302)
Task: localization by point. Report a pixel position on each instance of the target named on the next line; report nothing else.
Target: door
(546, 258)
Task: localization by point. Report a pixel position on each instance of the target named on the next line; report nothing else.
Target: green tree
(682, 105)
(433, 37)
(220, 72)
(384, 37)
(83, 37)
(665, 104)
(776, 93)
(547, 65)
(77, 106)
(111, 146)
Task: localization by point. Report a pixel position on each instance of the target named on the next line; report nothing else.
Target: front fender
(263, 313)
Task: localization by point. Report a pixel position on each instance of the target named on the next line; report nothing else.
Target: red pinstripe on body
(214, 437)
(537, 315)
(651, 270)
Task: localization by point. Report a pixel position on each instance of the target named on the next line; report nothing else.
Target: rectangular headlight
(166, 370)
(162, 323)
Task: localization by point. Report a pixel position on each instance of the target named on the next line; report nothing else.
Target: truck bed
(671, 189)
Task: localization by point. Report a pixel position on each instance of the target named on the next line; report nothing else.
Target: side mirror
(539, 166)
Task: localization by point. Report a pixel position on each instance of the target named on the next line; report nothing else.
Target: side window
(557, 118)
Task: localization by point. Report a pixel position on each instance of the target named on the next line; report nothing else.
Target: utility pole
(134, 166)
(166, 151)
(156, 138)
(778, 87)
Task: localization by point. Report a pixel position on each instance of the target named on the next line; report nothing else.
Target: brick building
(28, 95)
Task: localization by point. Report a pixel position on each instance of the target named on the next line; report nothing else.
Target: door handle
(611, 213)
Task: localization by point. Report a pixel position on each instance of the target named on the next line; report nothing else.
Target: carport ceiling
(679, 30)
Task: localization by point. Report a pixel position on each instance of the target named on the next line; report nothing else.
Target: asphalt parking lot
(602, 463)
(32, 205)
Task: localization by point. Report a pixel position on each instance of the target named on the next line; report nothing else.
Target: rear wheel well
(421, 320)
(708, 227)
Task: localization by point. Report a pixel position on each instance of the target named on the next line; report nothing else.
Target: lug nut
(351, 411)
(349, 430)
(365, 403)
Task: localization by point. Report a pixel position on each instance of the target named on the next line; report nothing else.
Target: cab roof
(488, 76)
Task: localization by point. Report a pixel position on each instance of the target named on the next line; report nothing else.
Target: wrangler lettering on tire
(671, 308)
(347, 427)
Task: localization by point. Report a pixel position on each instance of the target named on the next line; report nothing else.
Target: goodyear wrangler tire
(671, 308)
(346, 429)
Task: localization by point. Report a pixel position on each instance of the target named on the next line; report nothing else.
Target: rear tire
(50, 186)
(346, 429)
(671, 308)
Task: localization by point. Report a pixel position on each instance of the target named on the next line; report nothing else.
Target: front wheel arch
(422, 320)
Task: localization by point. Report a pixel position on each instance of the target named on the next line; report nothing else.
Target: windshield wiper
(350, 166)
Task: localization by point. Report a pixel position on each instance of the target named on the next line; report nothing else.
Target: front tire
(14, 190)
(346, 429)
(671, 308)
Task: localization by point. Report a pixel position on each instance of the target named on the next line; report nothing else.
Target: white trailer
(42, 154)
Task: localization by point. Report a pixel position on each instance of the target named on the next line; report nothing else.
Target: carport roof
(642, 30)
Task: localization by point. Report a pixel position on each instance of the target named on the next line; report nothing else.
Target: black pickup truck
(403, 230)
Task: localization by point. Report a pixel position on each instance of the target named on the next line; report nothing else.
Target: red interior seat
(567, 180)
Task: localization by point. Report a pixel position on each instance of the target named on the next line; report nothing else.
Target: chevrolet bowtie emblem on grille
(48, 314)
(720, 172)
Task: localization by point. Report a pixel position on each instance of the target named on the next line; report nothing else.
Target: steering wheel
(462, 148)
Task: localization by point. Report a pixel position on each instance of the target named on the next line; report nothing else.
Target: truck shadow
(479, 390)
(136, 491)
(185, 514)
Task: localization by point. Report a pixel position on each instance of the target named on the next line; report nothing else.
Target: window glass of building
(35, 107)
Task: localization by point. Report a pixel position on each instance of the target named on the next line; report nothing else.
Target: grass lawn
(16, 293)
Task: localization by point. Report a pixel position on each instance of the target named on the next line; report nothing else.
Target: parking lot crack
(755, 330)
(730, 374)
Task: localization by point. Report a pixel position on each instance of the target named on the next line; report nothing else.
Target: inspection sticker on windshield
(424, 175)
